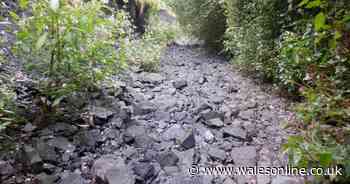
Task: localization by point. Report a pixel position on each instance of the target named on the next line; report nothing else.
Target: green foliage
(146, 52)
(253, 27)
(204, 19)
(323, 57)
(303, 46)
(7, 113)
(70, 47)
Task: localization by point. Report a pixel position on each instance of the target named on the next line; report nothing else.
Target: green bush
(321, 56)
(70, 47)
(7, 107)
(252, 33)
(204, 19)
(303, 46)
(146, 52)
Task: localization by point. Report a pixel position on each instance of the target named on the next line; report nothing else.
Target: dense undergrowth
(302, 46)
(68, 47)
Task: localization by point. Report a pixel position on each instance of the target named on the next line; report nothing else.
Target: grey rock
(143, 141)
(87, 139)
(180, 84)
(143, 108)
(63, 129)
(153, 78)
(286, 180)
(235, 131)
(29, 127)
(103, 165)
(218, 99)
(144, 171)
(6, 169)
(249, 158)
(180, 116)
(208, 115)
(202, 80)
(133, 132)
(168, 158)
(119, 175)
(117, 122)
(62, 143)
(49, 168)
(188, 141)
(162, 116)
(101, 115)
(186, 180)
(174, 132)
(202, 107)
(47, 152)
(46, 179)
(72, 178)
(32, 159)
(217, 154)
(171, 170)
(217, 123)
(229, 181)
(247, 114)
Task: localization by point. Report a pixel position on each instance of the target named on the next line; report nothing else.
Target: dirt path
(196, 111)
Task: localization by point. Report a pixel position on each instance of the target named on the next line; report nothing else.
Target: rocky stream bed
(196, 111)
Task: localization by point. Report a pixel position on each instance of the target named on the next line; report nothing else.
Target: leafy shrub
(70, 47)
(204, 19)
(7, 114)
(304, 46)
(253, 27)
(324, 60)
(146, 52)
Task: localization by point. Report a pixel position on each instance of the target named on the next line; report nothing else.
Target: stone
(180, 84)
(168, 158)
(153, 78)
(104, 164)
(87, 139)
(143, 141)
(32, 159)
(174, 132)
(29, 128)
(217, 154)
(229, 181)
(202, 80)
(144, 171)
(247, 114)
(217, 123)
(47, 152)
(62, 144)
(143, 108)
(132, 132)
(63, 129)
(6, 169)
(162, 116)
(46, 179)
(234, 131)
(188, 141)
(72, 178)
(286, 180)
(180, 116)
(209, 114)
(218, 99)
(171, 170)
(208, 136)
(249, 158)
(120, 175)
(101, 115)
(49, 168)
(202, 107)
